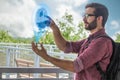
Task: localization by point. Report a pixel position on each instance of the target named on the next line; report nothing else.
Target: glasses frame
(87, 15)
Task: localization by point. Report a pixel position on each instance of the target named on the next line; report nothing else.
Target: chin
(86, 27)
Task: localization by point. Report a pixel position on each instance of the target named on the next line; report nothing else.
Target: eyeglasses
(87, 15)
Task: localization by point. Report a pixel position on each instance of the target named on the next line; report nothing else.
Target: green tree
(117, 38)
(69, 30)
(48, 38)
(5, 37)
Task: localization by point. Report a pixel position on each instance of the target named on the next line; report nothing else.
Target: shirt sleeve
(73, 46)
(96, 51)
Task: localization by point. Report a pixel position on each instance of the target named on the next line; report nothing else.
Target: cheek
(89, 20)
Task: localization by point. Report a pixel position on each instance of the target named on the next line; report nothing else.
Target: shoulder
(103, 40)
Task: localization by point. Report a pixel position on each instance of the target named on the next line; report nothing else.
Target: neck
(96, 30)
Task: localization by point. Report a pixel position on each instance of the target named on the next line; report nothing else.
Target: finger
(41, 46)
(36, 44)
(32, 44)
(48, 18)
(34, 47)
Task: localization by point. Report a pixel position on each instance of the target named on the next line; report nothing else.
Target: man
(90, 50)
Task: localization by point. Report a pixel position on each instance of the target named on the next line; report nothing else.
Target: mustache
(86, 22)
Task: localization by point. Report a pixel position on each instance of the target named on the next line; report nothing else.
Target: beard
(91, 25)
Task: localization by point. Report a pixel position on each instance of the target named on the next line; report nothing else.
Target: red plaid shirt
(98, 50)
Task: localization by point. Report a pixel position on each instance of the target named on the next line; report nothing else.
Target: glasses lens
(87, 15)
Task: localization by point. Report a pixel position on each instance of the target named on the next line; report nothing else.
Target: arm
(61, 63)
(59, 40)
(58, 62)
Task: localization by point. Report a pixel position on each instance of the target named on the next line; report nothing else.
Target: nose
(84, 19)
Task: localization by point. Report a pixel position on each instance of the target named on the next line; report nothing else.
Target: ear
(99, 21)
(99, 18)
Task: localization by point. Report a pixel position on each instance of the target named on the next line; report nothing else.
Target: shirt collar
(98, 33)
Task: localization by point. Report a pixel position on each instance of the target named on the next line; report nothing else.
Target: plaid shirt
(98, 50)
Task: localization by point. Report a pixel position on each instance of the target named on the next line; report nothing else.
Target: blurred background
(16, 18)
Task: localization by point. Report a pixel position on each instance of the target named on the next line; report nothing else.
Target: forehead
(89, 10)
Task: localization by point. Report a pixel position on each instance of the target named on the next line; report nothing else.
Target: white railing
(14, 71)
(13, 51)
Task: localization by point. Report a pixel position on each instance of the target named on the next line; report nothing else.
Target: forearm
(64, 64)
(59, 40)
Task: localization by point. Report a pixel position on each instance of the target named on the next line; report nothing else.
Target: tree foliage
(48, 38)
(68, 28)
(5, 37)
(117, 38)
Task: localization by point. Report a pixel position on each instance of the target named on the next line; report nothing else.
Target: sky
(16, 16)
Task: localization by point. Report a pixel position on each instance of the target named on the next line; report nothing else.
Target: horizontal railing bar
(33, 70)
(36, 79)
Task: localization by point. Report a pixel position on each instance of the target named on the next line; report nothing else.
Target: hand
(41, 52)
(51, 22)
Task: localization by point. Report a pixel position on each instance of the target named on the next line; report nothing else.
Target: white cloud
(17, 15)
(117, 32)
(115, 24)
(71, 6)
(115, 28)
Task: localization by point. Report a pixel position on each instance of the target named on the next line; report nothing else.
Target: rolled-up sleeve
(98, 49)
(68, 47)
(78, 65)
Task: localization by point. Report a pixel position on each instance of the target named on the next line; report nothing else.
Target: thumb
(41, 45)
(48, 17)
(50, 22)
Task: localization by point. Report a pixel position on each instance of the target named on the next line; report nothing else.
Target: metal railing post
(0, 76)
(7, 61)
(36, 64)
